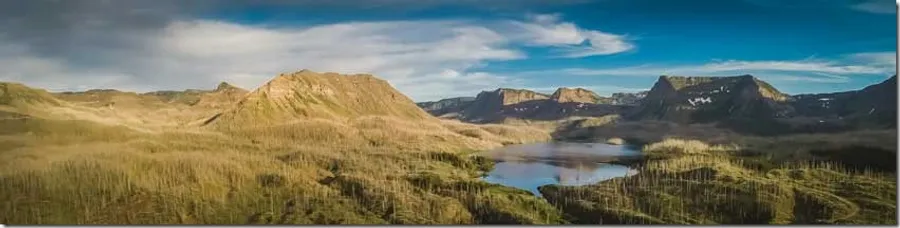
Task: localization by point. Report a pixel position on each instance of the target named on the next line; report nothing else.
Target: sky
(433, 49)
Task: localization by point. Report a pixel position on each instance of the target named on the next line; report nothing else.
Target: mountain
(578, 95)
(489, 106)
(445, 107)
(628, 98)
(872, 106)
(505, 103)
(223, 96)
(306, 94)
(710, 99)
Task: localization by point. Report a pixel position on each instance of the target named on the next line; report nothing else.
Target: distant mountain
(710, 99)
(224, 95)
(489, 106)
(505, 103)
(449, 106)
(306, 94)
(628, 98)
(872, 106)
(578, 95)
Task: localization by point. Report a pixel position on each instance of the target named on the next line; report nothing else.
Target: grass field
(690, 182)
(63, 161)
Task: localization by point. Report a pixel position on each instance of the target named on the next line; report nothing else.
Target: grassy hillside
(690, 182)
(311, 148)
(306, 94)
(380, 166)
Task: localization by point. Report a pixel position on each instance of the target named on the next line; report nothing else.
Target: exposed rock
(488, 106)
(446, 106)
(578, 95)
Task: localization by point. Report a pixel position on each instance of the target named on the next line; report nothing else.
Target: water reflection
(532, 165)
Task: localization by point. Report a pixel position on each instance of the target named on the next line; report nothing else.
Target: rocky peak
(513, 96)
(224, 86)
(701, 99)
(579, 95)
(307, 94)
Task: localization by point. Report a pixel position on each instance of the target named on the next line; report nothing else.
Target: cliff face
(578, 95)
(307, 94)
(449, 106)
(501, 104)
(488, 106)
(708, 99)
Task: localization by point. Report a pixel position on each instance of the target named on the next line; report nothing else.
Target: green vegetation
(212, 178)
(690, 182)
(335, 156)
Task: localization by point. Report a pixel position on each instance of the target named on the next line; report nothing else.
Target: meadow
(138, 161)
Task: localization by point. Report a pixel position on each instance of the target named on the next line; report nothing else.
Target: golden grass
(696, 183)
(311, 171)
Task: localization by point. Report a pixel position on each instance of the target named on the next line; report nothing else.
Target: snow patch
(699, 100)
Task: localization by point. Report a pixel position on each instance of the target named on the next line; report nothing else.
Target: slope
(310, 95)
(710, 99)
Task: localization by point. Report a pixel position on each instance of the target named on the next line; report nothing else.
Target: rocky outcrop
(449, 106)
(502, 104)
(306, 94)
(710, 99)
(489, 106)
(577, 95)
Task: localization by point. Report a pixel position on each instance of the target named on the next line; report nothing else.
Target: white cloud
(877, 6)
(886, 60)
(802, 70)
(427, 59)
(569, 40)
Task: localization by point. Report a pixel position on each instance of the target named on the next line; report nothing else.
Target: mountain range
(739, 102)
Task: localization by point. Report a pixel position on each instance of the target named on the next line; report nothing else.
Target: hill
(223, 96)
(21, 96)
(710, 99)
(306, 94)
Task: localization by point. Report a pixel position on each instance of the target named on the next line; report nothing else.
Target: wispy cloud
(811, 70)
(877, 6)
(569, 40)
(424, 59)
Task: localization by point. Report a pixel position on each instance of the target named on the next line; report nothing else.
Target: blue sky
(437, 49)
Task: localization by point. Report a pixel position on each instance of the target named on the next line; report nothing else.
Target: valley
(328, 148)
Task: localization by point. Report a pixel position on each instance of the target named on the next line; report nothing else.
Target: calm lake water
(529, 166)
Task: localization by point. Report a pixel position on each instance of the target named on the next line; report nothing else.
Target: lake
(529, 166)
